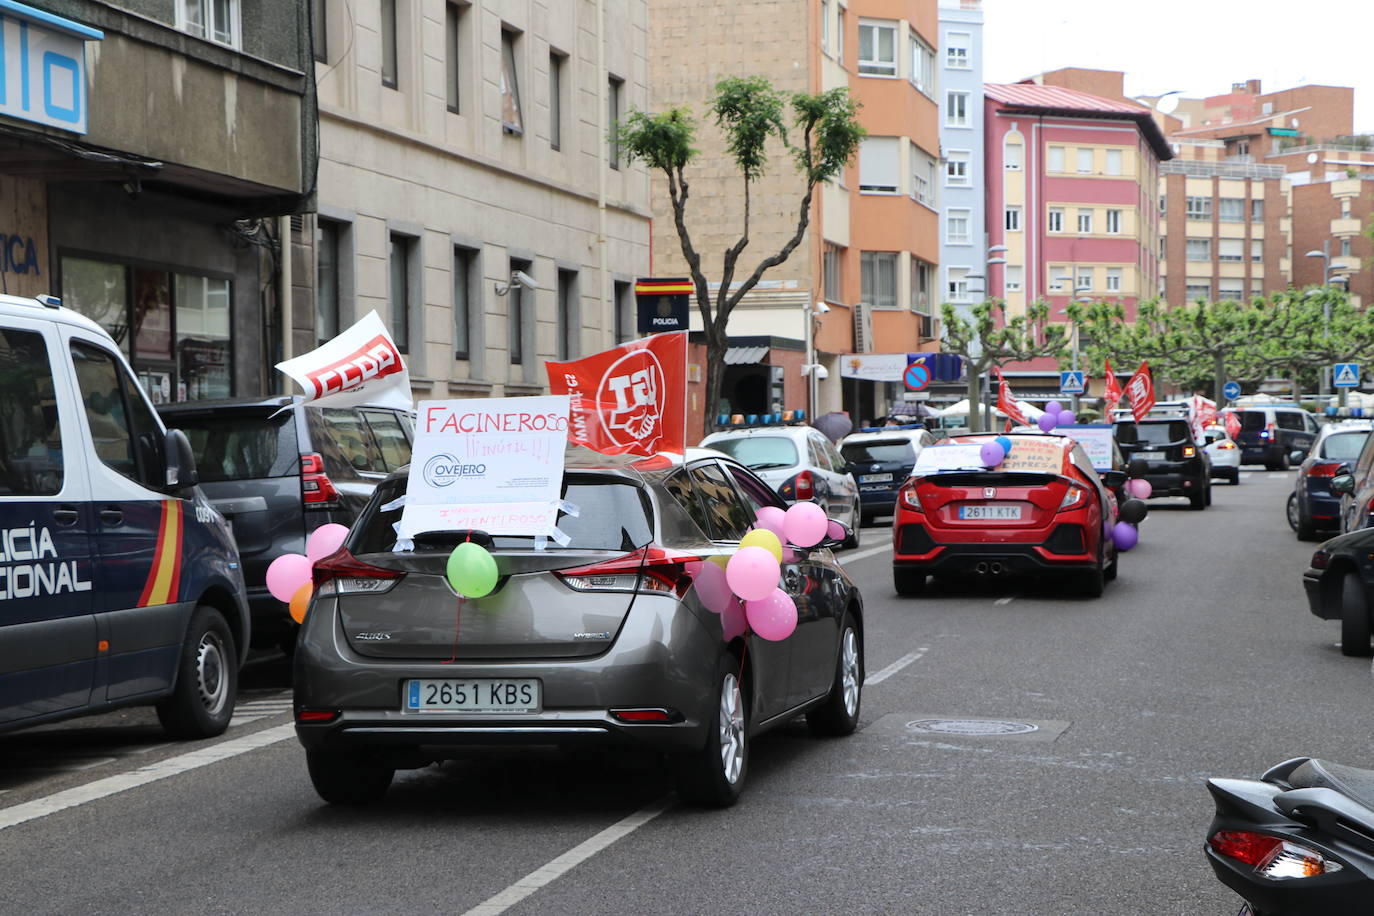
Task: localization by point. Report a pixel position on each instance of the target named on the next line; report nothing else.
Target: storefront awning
(744, 356)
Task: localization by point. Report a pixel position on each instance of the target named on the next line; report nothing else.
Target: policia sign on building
(663, 304)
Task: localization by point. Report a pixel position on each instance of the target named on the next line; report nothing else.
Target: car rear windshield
(1251, 421)
(759, 452)
(879, 450)
(1344, 446)
(613, 514)
(239, 446)
(1153, 433)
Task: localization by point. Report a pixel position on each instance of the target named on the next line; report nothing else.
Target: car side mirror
(1113, 480)
(846, 533)
(1343, 483)
(1297, 456)
(181, 461)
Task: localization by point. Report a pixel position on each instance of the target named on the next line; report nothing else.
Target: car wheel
(1209, 492)
(1291, 511)
(1354, 616)
(1113, 567)
(202, 703)
(1234, 477)
(908, 582)
(855, 523)
(714, 776)
(1198, 500)
(839, 714)
(1092, 582)
(348, 778)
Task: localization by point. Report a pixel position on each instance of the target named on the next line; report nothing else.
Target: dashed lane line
(896, 666)
(866, 552)
(1007, 600)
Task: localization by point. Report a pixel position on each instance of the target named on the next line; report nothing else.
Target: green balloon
(471, 570)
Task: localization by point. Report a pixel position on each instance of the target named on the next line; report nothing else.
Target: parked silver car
(606, 642)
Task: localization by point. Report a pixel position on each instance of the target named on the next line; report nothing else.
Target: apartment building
(963, 235)
(1331, 220)
(871, 250)
(469, 188)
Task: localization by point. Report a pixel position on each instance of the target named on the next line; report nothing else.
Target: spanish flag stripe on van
(164, 577)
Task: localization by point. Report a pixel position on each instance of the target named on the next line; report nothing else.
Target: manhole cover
(972, 726)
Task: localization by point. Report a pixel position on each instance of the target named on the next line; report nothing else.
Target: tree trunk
(1218, 376)
(716, 342)
(975, 400)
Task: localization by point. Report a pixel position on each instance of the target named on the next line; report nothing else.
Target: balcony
(1344, 227)
(1199, 169)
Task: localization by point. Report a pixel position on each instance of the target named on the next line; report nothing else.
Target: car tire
(908, 582)
(839, 714)
(1291, 511)
(348, 778)
(1198, 501)
(1208, 492)
(856, 519)
(202, 702)
(1113, 568)
(1234, 477)
(714, 776)
(1093, 582)
(1354, 616)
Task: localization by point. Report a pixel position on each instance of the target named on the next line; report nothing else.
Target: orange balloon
(300, 602)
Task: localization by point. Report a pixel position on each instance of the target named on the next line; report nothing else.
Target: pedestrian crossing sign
(1346, 375)
(1071, 383)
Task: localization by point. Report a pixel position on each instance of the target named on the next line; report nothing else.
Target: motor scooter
(1298, 841)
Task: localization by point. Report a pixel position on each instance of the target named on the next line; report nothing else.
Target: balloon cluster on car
(289, 577)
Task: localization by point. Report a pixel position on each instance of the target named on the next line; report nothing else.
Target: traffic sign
(1231, 390)
(1346, 375)
(1071, 383)
(916, 376)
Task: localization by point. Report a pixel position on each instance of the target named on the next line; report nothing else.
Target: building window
(1345, 248)
(878, 165)
(877, 48)
(515, 315)
(1230, 249)
(920, 286)
(1231, 289)
(1054, 159)
(922, 176)
(1113, 221)
(956, 284)
(466, 293)
(614, 87)
(922, 65)
(512, 122)
(1162, 255)
(1058, 274)
(957, 226)
(1013, 155)
(825, 26)
(1256, 250)
(624, 311)
(1085, 221)
(319, 29)
(878, 279)
(326, 280)
(569, 323)
(398, 265)
(1013, 275)
(956, 109)
(1199, 250)
(1257, 210)
(956, 170)
(455, 15)
(556, 62)
(1055, 222)
(389, 46)
(1113, 162)
(1084, 282)
(1257, 288)
(1231, 210)
(1198, 289)
(956, 50)
(1198, 208)
(839, 32)
(832, 270)
(216, 20)
(1012, 219)
(1113, 279)
(1085, 162)
(1163, 201)
(1345, 208)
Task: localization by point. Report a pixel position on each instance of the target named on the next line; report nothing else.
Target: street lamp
(1327, 280)
(812, 370)
(992, 257)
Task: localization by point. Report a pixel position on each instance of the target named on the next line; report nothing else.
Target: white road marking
(896, 666)
(1245, 475)
(867, 552)
(570, 859)
(112, 785)
(1006, 600)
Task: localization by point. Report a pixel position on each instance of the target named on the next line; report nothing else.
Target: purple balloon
(1108, 527)
(992, 454)
(1065, 418)
(1046, 422)
(1126, 535)
(1053, 407)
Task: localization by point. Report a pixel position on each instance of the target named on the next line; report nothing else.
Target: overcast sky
(1284, 43)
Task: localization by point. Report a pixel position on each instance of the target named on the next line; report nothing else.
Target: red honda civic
(1043, 509)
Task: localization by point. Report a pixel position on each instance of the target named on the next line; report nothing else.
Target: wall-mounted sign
(43, 67)
(662, 304)
(18, 255)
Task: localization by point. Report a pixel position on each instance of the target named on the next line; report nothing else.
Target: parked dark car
(605, 642)
(1269, 433)
(1340, 583)
(1175, 464)
(278, 474)
(882, 459)
(1312, 507)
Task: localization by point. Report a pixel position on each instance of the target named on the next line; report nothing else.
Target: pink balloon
(774, 617)
(286, 574)
(1140, 488)
(789, 555)
(805, 524)
(733, 621)
(324, 540)
(834, 531)
(752, 573)
(712, 589)
(771, 517)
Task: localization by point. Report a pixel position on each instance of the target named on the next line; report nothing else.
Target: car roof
(791, 432)
(24, 307)
(911, 435)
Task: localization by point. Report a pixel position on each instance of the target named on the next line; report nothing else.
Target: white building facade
(963, 232)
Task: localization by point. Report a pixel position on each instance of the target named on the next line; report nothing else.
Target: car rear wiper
(767, 465)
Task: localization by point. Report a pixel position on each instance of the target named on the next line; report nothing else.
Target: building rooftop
(1028, 96)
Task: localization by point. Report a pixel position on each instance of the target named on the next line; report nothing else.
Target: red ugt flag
(1007, 404)
(1140, 392)
(1112, 394)
(631, 399)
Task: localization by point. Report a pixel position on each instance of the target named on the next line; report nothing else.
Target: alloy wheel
(731, 724)
(211, 682)
(849, 671)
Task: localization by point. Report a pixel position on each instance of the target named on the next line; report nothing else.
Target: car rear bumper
(1312, 584)
(1175, 480)
(1261, 454)
(915, 549)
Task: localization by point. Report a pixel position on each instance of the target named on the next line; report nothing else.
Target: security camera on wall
(524, 279)
(822, 308)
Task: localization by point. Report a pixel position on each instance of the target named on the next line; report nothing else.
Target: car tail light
(909, 498)
(341, 573)
(317, 491)
(1074, 497)
(1189, 451)
(317, 715)
(664, 571)
(1226, 445)
(647, 714)
(1321, 559)
(1324, 469)
(1268, 432)
(1271, 856)
(805, 487)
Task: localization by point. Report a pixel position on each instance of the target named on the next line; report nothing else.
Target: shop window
(100, 291)
(203, 338)
(216, 20)
(512, 122)
(31, 445)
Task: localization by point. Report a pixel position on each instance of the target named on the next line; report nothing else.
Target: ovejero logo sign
(443, 469)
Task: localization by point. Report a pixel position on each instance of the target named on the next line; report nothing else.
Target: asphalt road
(1202, 659)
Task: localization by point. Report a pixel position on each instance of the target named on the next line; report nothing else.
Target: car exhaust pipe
(981, 569)
(995, 569)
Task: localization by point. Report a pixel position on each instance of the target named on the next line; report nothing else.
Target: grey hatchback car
(605, 642)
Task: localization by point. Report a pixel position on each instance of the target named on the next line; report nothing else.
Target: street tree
(987, 339)
(824, 136)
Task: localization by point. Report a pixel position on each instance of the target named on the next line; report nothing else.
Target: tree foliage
(987, 339)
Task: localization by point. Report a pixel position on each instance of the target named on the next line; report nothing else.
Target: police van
(119, 583)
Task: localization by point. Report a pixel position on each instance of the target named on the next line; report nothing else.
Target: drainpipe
(284, 293)
(608, 320)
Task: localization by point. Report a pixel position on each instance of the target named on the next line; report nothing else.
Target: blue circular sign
(916, 377)
(1231, 390)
